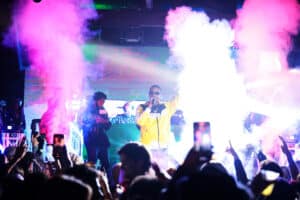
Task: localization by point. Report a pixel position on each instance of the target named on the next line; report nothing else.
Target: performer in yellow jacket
(153, 119)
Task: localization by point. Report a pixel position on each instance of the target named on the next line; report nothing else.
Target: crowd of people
(24, 172)
(137, 176)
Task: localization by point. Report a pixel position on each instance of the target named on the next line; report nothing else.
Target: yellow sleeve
(142, 116)
(172, 105)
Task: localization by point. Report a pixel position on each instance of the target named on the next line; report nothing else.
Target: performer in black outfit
(96, 123)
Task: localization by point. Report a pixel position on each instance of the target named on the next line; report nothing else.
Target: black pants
(95, 152)
(97, 147)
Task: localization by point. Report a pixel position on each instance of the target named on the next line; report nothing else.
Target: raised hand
(34, 139)
(103, 180)
(231, 150)
(284, 146)
(21, 149)
(292, 164)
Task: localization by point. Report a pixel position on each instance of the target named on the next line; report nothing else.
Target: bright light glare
(210, 88)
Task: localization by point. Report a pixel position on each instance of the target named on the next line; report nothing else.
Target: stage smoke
(263, 33)
(210, 88)
(52, 33)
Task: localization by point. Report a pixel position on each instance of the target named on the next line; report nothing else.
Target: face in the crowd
(129, 167)
(154, 94)
(100, 102)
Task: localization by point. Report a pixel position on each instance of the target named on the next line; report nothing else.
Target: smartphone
(58, 139)
(269, 175)
(58, 146)
(202, 135)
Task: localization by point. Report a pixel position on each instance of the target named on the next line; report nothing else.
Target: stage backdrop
(124, 73)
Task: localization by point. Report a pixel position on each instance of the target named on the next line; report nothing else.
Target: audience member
(135, 161)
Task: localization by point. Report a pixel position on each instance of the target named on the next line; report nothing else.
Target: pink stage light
(52, 32)
(265, 27)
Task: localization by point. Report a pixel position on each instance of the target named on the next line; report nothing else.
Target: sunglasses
(154, 93)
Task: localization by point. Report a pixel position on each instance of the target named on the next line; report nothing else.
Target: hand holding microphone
(153, 101)
(154, 106)
(150, 103)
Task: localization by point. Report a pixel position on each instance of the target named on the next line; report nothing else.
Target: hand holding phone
(284, 146)
(58, 139)
(202, 135)
(232, 151)
(21, 149)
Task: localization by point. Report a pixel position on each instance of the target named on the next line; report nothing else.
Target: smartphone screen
(58, 140)
(202, 135)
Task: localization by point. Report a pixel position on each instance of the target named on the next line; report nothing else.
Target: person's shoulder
(142, 106)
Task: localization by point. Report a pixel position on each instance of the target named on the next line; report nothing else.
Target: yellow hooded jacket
(155, 128)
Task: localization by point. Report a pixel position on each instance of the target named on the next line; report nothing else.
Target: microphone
(153, 101)
(154, 106)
